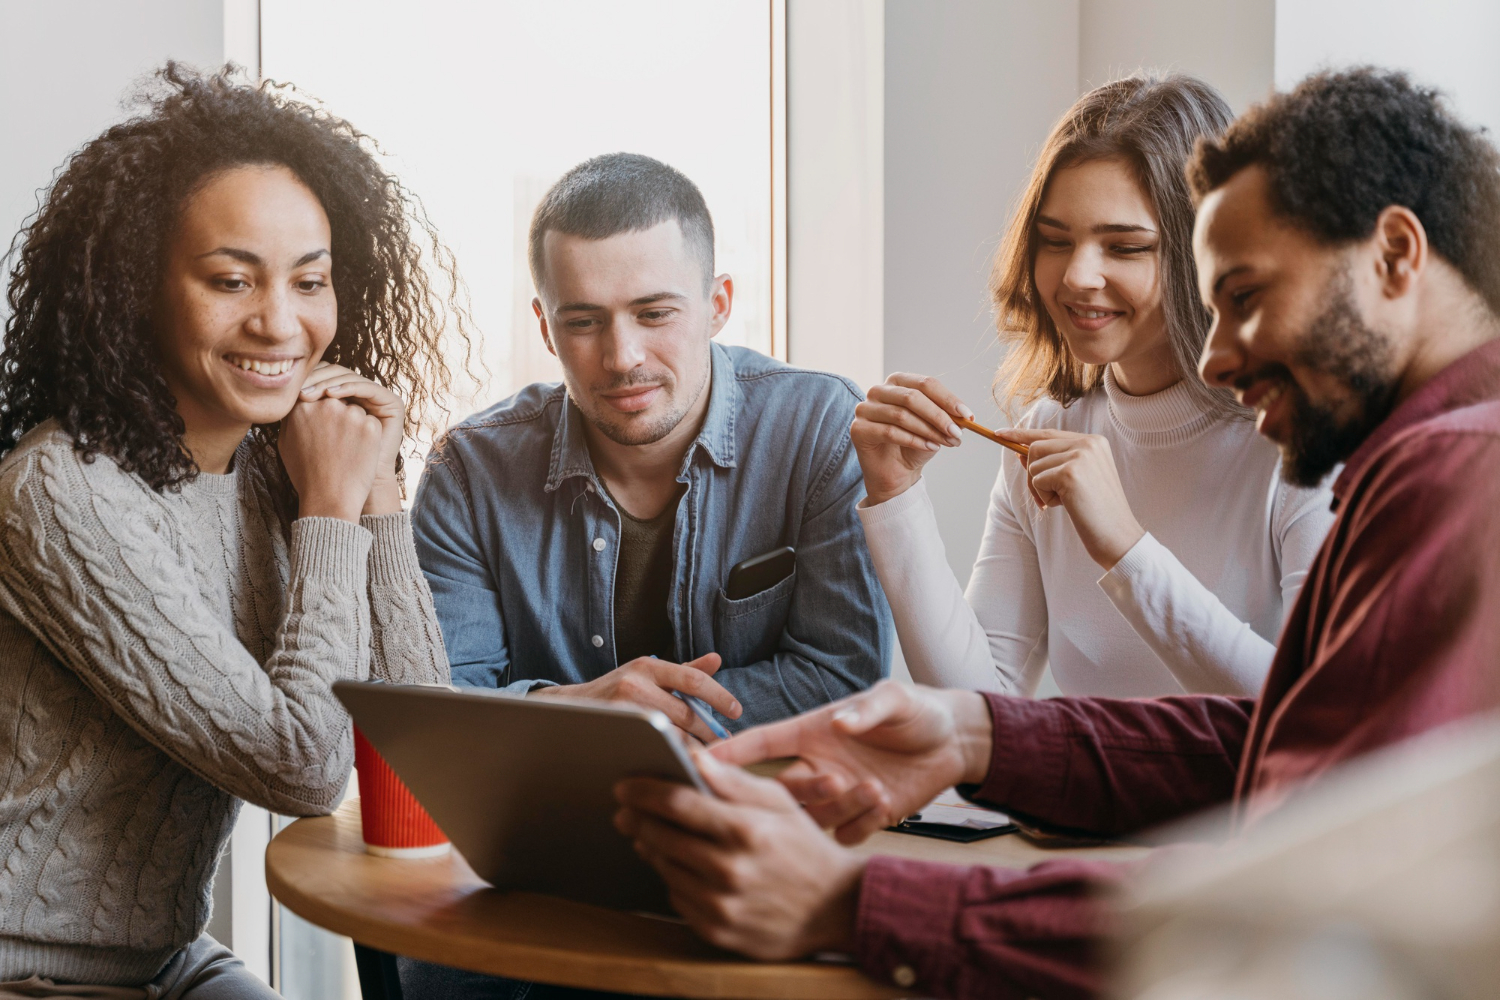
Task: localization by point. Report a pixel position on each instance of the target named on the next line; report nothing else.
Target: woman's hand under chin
(1077, 472)
(339, 445)
(334, 382)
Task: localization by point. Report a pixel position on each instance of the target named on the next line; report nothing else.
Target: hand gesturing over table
(868, 761)
(751, 871)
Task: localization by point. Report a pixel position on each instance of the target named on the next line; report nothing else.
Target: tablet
(524, 787)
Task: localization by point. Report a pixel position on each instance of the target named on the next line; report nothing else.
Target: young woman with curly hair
(1180, 551)
(215, 315)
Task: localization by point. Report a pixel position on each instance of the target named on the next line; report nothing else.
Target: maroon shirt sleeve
(1403, 635)
(1113, 766)
(1106, 766)
(997, 933)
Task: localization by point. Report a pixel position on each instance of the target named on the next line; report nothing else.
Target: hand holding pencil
(902, 423)
(905, 420)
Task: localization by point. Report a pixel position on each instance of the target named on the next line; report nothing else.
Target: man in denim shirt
(581, 535)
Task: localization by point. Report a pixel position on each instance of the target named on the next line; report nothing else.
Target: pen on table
(985, 432)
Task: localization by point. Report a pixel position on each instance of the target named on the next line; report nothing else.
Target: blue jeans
(426, 981)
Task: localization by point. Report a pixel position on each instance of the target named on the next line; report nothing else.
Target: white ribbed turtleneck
(1196, 605)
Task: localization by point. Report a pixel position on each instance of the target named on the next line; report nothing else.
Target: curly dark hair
(1342, 147)
(80, 342)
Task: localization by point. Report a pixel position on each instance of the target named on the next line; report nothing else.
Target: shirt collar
(570, 450)
(1473, 378)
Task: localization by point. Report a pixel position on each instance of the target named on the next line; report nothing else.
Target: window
(482, 105)
(479, 108)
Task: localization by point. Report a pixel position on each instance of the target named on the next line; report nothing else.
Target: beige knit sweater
(163, 657)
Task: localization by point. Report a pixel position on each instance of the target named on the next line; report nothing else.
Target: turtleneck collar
(1161, 419)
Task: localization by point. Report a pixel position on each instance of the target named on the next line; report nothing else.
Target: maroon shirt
(1396, 631)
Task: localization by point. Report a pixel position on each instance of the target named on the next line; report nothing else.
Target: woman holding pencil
(1140, 539)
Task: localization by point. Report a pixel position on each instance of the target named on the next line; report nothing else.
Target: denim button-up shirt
(519, 539)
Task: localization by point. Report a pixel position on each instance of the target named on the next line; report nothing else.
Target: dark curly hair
(1342, 147)
(80, 342)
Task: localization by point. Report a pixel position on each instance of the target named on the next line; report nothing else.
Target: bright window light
(481, 106)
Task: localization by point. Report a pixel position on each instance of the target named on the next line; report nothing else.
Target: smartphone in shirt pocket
(753, 605)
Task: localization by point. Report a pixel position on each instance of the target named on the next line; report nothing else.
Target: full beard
(1337, 343)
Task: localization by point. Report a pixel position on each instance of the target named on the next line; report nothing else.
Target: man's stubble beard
(631, 435)
(1337, 343)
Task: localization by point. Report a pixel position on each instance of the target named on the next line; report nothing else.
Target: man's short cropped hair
(1342, 147)
(622, 193)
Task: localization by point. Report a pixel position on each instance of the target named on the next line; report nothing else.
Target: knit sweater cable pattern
(163, 657)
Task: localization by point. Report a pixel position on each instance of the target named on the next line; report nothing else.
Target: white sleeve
(1207, 648)
(993, 638)
(1300, 521)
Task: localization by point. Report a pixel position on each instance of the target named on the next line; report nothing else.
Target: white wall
(1449, 44)
(1229, 43)
(65, 65)
(972, 88)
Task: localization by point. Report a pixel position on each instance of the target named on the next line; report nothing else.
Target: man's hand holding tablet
(751, 871)
(747, 868)
(651, 683)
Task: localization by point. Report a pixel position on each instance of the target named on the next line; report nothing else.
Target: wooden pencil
(985, 432)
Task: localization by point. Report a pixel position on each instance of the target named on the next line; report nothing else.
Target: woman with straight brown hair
(1169, 492)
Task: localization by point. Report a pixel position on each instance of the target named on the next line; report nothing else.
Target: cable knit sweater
(163, 657)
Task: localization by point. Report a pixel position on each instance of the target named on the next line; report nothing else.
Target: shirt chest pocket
(749, 630)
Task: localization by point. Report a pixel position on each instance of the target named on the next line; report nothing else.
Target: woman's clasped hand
(340, 443)
(1078, 473)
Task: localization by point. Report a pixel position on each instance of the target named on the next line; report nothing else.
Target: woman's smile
(1091, 319)
(264, 372)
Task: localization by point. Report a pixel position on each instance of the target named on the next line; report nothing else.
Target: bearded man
(1348, 246)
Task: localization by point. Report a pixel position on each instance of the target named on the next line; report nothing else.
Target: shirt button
(599, 544)
(904, 976)
(597, 640)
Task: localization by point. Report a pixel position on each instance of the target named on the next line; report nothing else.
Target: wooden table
(437, 909)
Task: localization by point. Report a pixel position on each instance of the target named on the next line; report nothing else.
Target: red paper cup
(393, 823)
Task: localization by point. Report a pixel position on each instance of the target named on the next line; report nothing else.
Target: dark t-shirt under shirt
(643, 581)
